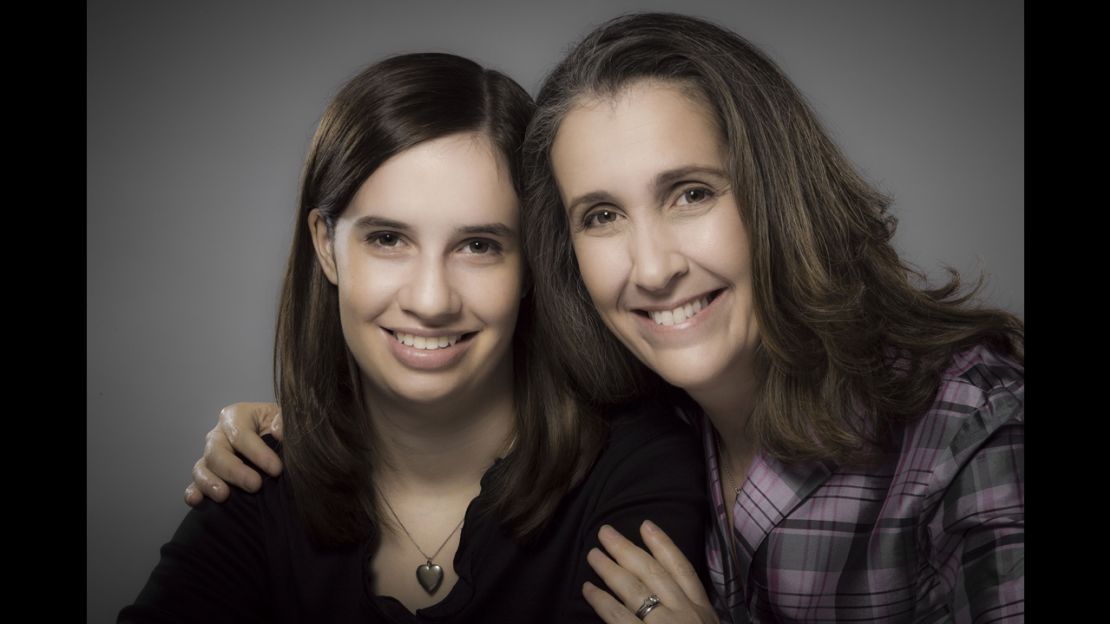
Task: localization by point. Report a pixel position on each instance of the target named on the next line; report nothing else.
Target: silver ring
(650, 603)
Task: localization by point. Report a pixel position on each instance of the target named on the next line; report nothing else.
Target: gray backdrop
(199, 115)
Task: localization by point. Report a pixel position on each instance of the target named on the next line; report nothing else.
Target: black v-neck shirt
(250, 560)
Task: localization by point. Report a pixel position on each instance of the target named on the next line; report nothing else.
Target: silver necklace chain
(411, 538)
(385, 500)
(723, 461)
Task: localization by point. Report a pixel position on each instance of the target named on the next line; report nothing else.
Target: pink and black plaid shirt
(936, 533)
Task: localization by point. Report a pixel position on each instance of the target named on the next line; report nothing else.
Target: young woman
(863, 434)
(436, 469)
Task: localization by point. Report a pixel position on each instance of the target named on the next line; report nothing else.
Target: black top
(250, 560)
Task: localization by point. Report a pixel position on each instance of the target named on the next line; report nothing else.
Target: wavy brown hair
(852, 338)
(329, 445)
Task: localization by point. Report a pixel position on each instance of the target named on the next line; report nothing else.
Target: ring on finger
(649, 603)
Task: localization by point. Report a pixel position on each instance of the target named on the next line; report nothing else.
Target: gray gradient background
(199, 115)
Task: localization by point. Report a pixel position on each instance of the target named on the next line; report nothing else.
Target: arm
(239, 429)
(978, 532)
(660, 478)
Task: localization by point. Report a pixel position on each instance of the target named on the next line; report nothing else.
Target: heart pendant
(429, 575)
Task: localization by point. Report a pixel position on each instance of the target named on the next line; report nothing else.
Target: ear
(324, 243)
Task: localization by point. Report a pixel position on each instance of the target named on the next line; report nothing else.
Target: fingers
(193, 495)
(220, 466)
(243, 424)
(240, 428)
(276, 429)
(206, 484)
(674, 562)
(633, 573)
(609, 609)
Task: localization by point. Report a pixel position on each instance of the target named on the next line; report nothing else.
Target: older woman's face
(657, 232)
(429, 271)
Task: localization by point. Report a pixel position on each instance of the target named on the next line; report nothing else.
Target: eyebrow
(662, 185)
(369, 222)
(594, 197)
(666, 179)
(490, 229)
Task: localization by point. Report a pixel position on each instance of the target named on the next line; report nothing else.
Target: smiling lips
(680, 313)
(428, 353)
(429, 343)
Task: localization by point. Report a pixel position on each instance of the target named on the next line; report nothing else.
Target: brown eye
(600, 217)
(383, 239)
(482, 247)
(695, 195)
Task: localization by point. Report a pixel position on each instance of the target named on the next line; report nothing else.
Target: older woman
(863, 433)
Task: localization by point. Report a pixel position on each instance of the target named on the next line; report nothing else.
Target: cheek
(603, 269)
(365, 290)
(726, 250)
(721, 244)
(493, 293)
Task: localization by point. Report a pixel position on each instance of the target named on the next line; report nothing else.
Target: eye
(695, 195)
(383, 239)
(482, 246)
(599, 218)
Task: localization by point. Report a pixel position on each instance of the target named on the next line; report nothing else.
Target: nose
(430, 295)
(657, 258)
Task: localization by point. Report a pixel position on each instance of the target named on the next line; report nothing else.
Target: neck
(728, 403)
(440, 447)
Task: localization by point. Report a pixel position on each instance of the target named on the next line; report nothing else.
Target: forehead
(647, 127)
(460, 178)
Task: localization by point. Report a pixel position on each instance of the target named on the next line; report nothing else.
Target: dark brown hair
(835, 304)
(329, 447)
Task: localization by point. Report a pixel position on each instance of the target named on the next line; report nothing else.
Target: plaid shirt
(935, 533)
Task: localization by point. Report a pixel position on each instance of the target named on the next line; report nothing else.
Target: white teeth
(679, 314)
(427, 343)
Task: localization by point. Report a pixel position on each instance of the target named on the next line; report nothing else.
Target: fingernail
(607, 531)
(650, 527)
(276, 426)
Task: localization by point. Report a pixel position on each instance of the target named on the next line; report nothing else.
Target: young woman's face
(429, 270)
(657, 231)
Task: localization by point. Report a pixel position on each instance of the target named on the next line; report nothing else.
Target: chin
(696, 369)
(686, 379)
(422, 390)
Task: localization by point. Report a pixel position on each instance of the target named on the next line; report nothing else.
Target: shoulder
(215, 567)
(634, 425)
(979, 406)
(652, 439)
(981, 390)
(981, 379)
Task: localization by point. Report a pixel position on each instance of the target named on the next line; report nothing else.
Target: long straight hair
(850, 343)
(329, 445)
